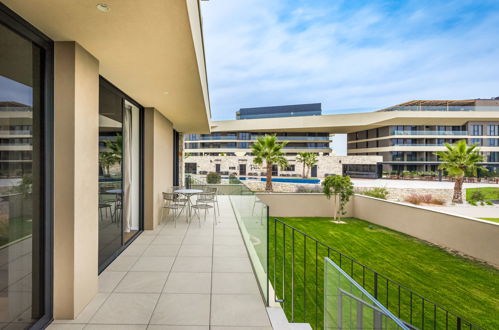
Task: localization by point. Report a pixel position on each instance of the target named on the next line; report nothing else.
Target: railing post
(268, 259)
(459, 324)
(376, 285)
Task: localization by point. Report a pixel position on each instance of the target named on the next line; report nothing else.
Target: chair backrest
(168, 196)
(208, 196)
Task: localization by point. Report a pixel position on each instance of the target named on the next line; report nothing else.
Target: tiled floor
(190, 277)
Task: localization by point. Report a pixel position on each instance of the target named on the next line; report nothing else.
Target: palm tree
(457, 160)
(310, 160)
(302, 158)
(267, 149)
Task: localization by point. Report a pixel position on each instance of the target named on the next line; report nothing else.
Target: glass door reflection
(119, 172)
(110, 173)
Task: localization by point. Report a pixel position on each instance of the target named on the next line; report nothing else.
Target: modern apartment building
(231, 143)
(405, 135)
(93, 100)
(412, 146)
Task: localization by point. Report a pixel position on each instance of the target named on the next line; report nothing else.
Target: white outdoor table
(188, 193)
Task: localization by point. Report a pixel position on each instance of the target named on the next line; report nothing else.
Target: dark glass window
(477, 130)
(493, 130)
(119, 172)
(476, 141)
(24, 292)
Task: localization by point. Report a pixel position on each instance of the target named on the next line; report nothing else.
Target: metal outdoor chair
(105, 207)
(173, 203)
(204, 206)
(207, 195)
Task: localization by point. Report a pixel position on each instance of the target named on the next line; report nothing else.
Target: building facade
(89, 140)
(239, 142)
(355, 166)
(413, 147)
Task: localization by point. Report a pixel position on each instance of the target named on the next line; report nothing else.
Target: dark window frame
(17, 24)
(103, 82)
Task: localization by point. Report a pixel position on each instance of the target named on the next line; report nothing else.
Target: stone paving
(190, 277)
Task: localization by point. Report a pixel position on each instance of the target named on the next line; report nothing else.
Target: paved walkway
(188, 277)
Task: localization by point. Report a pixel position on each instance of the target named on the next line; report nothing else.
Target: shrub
(213, 177)
(418, 198)
(472, 202)
(438, 201)
(233, 179)
(478, 195)
(489, 203)
(378, 192)
(311, 189)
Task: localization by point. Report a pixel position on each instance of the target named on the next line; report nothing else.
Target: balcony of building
(197, 273)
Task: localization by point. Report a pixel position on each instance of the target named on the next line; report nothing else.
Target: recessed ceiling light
(103, 7)
(165, 92)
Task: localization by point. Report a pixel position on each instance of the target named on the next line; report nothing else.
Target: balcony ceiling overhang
(347, 123)
(150, 49)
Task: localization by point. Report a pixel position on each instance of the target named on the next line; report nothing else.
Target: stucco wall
(475, 238)
(158, 164)
(300, 205)
(479, 239)
(76, 132)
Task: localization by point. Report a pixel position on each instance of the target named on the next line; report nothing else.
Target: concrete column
(158, 164)
(76, 129)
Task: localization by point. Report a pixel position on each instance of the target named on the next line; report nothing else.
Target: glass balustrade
(446, 133)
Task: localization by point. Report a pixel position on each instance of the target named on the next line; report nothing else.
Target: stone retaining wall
(395, 194)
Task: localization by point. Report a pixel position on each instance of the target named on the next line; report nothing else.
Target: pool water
(290, 180)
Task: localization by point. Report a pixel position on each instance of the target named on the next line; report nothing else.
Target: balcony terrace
(196, 274)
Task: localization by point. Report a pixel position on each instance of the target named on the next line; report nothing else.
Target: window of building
(191, 168)
(289, 168)
(493, 142)
(494, 157)
(477, 130)
(493, 130)
(120, 172)
(26, 167)
(397, 155)
(476, 141)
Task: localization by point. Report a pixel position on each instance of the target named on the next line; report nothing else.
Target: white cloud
(275, 52)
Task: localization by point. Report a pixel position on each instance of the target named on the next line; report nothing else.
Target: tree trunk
(458, 191)
(303, 171)
(336, 207)
(268, 184)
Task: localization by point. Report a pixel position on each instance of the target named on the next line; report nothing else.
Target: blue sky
(351, 56)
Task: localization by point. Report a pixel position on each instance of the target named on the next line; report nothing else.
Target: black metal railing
(296, 270)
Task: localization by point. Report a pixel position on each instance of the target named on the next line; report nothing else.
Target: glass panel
(251, 214)
(21, 289)
(110, 173)
(348, 306)
(131, 169)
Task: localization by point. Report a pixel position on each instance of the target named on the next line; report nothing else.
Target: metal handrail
(377, 279)
(377, 305)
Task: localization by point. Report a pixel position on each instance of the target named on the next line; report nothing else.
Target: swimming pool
(290, 180)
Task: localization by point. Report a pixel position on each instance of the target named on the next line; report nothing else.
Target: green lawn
(490, 219)
(14, 229)
(488, 192)
(464, 287)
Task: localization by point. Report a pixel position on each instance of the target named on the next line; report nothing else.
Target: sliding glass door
(25, 167)
(120, 172)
